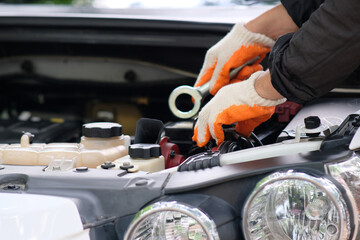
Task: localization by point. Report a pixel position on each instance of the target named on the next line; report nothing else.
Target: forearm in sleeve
(320, 55)
(300, 10)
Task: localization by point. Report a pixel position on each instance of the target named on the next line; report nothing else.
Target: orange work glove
(235, 49)
(238, 102)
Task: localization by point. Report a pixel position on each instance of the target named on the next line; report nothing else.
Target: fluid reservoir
(145, 157)
(102, 142)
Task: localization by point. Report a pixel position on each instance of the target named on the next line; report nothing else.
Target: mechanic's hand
(235, 49)
(238, 102)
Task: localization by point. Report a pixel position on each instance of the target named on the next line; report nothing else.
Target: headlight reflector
(170, 221)
(347, 173)
(293, 205)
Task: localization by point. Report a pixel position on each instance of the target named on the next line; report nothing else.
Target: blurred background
(141, 3)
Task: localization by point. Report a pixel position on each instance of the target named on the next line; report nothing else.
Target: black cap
(148, 130)
(312, 122)
(144, 150)
(102, 130)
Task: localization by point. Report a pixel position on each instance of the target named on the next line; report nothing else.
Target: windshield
(142, 3)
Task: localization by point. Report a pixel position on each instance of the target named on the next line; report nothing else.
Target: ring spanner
(197, 93)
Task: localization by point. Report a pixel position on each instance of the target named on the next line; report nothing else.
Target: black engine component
(204, 160)
(343, 135)
(235, 141)
(181, 134)
(45, 131)
(148, 130)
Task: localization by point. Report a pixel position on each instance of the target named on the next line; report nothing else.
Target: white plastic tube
(268, 151)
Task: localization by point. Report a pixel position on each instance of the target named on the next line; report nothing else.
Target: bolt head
(172, 154)
(312, 122)
(107, 165)
(126, 164)
(81, 169)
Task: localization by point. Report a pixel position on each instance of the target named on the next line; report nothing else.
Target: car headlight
(347, 173)
(170, 221)
(293, 205)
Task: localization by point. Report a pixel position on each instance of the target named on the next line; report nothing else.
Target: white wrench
(197, 93)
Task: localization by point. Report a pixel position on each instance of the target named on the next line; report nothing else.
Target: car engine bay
(84, 116)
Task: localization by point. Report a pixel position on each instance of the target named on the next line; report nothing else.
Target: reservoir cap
(102, 130)
(144, 150)
(312, 122)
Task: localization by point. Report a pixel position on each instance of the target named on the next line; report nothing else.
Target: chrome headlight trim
(324, 184)
(347, 174)
(207, 224)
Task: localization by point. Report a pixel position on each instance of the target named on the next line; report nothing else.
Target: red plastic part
(286, 110)
(171, 153)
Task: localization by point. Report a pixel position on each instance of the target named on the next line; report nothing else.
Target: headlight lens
(293, 205)
(170, 221)
(347, 173)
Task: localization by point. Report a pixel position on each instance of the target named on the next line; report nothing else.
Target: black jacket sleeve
(300, 10)
(320, 55)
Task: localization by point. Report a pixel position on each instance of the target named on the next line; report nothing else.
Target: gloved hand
(235, 49)
(238, 102)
